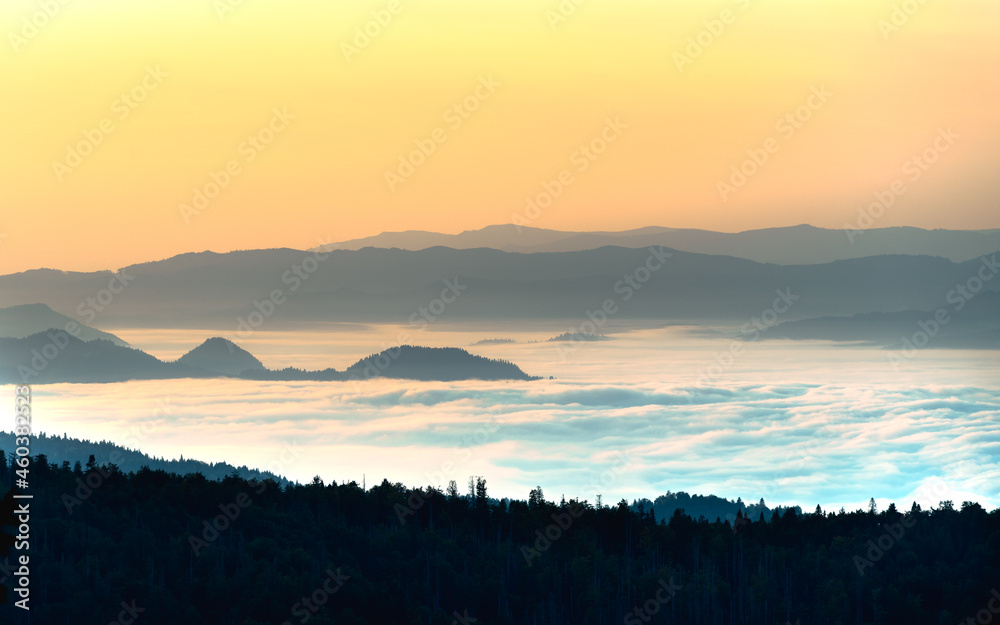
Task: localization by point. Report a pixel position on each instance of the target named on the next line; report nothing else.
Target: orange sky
(92, 178)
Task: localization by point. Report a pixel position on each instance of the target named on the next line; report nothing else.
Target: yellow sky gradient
(324, 173)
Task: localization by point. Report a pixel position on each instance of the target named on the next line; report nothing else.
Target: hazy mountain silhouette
(408, 362)
(494, 342)
(56, 356)
(987, 339)
(222, 356)
(378, 285)
(49, 358)
(573, 337)
(975, 325)
(434, 363)
(802, 244)
(27, 319)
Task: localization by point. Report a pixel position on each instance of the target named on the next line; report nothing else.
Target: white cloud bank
(832, 444)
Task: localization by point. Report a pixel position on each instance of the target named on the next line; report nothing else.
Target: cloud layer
(793, 422)
(831, 444)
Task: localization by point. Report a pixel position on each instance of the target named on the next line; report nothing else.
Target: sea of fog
(653, 410)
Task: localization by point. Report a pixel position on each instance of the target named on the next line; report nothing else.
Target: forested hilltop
(75, 450)
(184, 549)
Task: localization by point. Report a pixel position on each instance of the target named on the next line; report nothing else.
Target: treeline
(185, 549)
(74, 450)
(708, 506)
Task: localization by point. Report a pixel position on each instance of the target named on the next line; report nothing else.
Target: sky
(135, 131)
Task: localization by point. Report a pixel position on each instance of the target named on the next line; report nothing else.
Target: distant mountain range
(55, 356)
(27, 319)
(976, 325)
(795, 245)
(290, 289)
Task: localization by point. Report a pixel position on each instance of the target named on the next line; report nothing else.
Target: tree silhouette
(505, 562)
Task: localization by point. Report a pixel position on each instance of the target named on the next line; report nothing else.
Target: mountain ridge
(379, 285)
(42, 359)
(221, 356)
(23, 320)
(798, 244)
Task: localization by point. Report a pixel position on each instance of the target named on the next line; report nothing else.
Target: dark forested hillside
(191, 550)
(708, 506)
(75, 450)
(434, 363)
